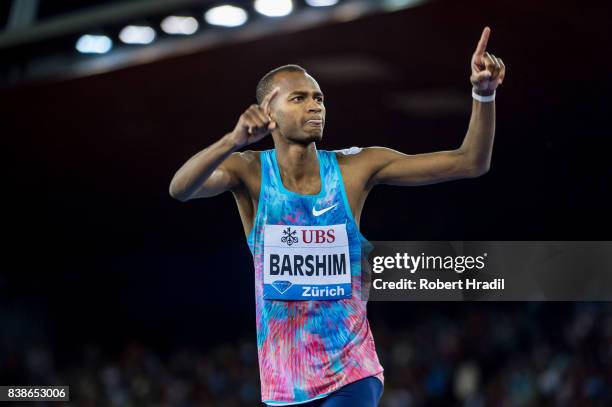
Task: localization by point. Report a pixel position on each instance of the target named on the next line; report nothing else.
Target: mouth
(315, 122)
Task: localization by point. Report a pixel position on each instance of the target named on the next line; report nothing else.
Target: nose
(314, 107)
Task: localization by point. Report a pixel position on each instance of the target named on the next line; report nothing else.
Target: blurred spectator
(524, 355)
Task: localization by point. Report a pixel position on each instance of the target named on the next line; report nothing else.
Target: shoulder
(249, 156)
(244, 165)
(362, 163)
(245, 159)
(361, 156)
(348, 151)
(347, 155)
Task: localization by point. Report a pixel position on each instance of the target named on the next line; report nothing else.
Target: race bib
(306, 262)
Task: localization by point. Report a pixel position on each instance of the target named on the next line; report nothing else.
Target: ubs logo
(309, 236)
(318, 236)
(289, 236)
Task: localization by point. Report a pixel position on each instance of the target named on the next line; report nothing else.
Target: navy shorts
(362, 393)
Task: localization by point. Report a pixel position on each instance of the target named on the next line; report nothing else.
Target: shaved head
(266, 84)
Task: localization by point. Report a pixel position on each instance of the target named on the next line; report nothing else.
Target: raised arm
(214, 170)
(218, 168)
(471, 159)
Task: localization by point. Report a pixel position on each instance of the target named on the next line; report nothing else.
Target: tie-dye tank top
(309, 348)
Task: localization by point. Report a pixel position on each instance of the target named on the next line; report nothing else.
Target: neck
(297, 161)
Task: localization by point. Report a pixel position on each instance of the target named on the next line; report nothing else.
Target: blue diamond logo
(281, 285)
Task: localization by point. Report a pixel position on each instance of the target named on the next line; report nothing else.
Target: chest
(247, 198)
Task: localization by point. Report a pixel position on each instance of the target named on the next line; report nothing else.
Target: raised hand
(255, 123)
(488, 71)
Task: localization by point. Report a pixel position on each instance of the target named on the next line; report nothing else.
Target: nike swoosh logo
(322, 211)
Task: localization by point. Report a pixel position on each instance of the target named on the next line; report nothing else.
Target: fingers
(253, 122)
(498, 70)
(482, 44)
(480, 77)
(259, 113)
(492, 65)
(502, 73)
(494, 72)
(486, 67)
(256, 121)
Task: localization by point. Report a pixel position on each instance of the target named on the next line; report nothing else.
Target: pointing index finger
(265, 104)
(482, 44)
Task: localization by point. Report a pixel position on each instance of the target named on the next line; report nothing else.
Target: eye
(319, 99)
(297, 98)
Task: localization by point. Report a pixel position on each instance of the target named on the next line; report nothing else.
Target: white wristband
(483, 99)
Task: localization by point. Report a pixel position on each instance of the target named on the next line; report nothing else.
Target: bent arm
(471, 160)
(208, 173)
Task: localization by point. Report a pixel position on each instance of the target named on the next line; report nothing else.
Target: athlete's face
(298, 107)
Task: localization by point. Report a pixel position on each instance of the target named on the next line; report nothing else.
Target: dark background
(96, 251)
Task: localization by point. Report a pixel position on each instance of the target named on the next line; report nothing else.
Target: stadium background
(135, 299)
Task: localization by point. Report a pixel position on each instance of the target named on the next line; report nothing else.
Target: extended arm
(471, 159)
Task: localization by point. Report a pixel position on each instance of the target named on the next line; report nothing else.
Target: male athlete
(300, 208)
